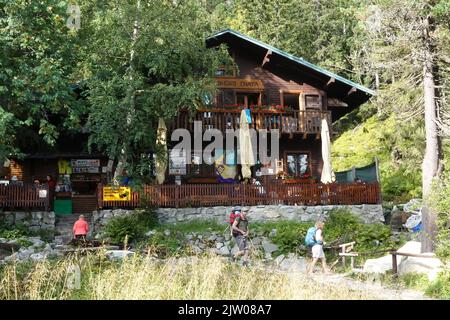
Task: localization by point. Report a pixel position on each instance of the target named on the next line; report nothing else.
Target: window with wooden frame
(298, 163)
(291, 98)
(237, 98)
(313, 101)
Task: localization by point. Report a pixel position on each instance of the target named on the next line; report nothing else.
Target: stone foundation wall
(367, 213)
(35, 221)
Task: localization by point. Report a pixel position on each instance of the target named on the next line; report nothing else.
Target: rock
(429, 266)
(279, 259)
(13, 257)
(223, 251)
(25, 253)
(21, 216)
(219, 245)
(212, 237)
(37, 242)
(380, 265)
(167, 233)
(413, 247)
(37, 256)
(118, 254)
(196, 249)
(294, 264)
(257, 241)
(150, 233)
(48, 247)
(269, 247)
(234, 250)
(273, 233)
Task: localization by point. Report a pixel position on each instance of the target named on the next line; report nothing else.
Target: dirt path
(372, 288)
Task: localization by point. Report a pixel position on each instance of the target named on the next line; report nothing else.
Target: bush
(132, 227)
(290, 235)
(13, 231)
(440, 288)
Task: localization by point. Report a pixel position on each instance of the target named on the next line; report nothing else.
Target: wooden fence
(24, 196)
(199, 195)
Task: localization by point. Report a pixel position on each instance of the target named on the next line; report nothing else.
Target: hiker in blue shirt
(314, 239)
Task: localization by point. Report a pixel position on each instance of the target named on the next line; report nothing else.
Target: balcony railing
(308, 121)
(199, 195)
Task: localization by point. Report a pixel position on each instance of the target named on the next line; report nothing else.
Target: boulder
(219, 245)
(118, 254)
(37, 242)
(25, 253)
(279, 259)
(150, 233)
(223, 251)
(429, 266)
(273, 233)
(37, 256)
(380, 265)
(294, 264)
(269, 247)
(13, 257)
(413, 247)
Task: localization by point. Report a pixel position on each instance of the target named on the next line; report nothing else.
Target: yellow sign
(116, 193)
(239, 83)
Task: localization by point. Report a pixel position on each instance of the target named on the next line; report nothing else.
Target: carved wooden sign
(239, 83)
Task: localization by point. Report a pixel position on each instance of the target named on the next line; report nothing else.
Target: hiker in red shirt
(80, 228)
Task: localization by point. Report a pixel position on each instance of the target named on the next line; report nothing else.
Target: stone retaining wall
(35, 220)
(367, 213)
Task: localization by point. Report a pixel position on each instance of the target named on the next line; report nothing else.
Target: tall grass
(206, 277)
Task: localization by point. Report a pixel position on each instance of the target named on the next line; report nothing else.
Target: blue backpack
(310, 238)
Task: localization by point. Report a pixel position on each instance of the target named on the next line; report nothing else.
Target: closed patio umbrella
(245, 146)
(161, 159)
(327, 170)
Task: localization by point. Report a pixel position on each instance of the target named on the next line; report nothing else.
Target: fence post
(177, 199)
(100, 196)
(394, 263)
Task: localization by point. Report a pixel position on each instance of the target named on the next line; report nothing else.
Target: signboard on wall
(239, 83)
(86, 170)
(85, 162)
(116, 193)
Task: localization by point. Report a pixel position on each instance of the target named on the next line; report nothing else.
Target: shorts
(317, 251)
(241, 242)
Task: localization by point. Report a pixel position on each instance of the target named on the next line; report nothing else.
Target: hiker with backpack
(236, 212)
(314, 240)
(240, 232)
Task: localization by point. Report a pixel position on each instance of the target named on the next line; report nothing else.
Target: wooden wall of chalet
(273, 83)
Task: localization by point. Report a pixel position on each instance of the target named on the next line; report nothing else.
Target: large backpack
(310, 238)
(233, 216)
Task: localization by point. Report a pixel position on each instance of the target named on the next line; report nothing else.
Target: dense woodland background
(143, 59)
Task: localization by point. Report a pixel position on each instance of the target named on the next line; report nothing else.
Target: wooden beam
(330, 82)
(266, 57)
(352, 90)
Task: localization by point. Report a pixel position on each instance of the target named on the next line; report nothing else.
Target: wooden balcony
(304, 122)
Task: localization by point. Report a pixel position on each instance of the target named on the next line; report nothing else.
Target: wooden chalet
(284, 93)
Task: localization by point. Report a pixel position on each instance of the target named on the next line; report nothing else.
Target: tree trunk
(122, 157)
(430, 166)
